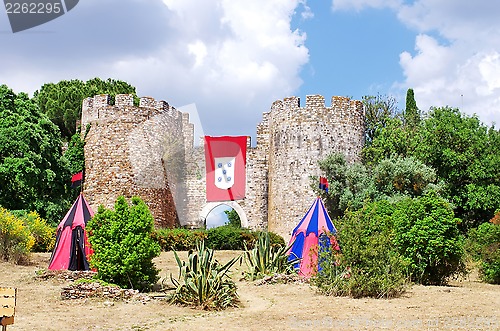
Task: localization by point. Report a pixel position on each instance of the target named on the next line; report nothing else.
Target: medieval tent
(72, 248)
(310, 236)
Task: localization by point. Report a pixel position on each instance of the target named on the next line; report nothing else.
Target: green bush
(44, 234)
(368, 264)
(16, 240)
(267, 259)
(178, 239)
(483, 244)
(225, 237)
(428, 238)
(203, 282)
(123, 245)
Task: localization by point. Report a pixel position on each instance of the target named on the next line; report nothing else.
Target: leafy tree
(123, 244)
(233, 218)
(391, 140)
(62, 101)
(33, 175)
(428, 238)
(75, 152)
(397, 176)
(466, 156)
(412, 113)
(349, 185)
(464, 153)
(379, 110)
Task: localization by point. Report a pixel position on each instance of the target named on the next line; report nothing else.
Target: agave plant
(265, 259)
(204, 282)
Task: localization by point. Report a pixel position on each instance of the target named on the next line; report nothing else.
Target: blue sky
(230, 59)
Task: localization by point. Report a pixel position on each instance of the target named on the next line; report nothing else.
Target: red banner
(225, 163)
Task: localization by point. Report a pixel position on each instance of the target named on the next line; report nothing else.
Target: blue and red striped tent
(309, 236)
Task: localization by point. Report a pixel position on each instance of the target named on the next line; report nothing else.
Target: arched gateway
(233, 204)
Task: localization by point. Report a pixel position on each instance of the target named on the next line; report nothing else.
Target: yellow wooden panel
(7, 301)
(8, 291)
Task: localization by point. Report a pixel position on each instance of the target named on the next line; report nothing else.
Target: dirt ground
(464, 305)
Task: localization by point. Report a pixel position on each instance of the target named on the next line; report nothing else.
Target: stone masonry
(147, 150)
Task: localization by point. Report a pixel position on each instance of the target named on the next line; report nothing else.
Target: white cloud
(456, 61)
(231, 58)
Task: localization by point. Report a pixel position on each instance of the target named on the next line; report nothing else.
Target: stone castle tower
(148, 151)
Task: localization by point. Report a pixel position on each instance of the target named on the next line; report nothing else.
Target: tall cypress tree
(411, 113)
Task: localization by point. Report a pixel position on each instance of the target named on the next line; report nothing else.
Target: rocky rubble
(96, 290)
(89, 289)
(282, 279)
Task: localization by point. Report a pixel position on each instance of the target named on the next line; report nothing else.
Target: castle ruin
(148, 151)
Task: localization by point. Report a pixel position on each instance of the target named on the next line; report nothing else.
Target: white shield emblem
(224, 172)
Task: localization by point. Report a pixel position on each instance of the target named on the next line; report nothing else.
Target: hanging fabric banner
(225, 163)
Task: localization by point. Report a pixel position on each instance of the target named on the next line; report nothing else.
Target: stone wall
(299, 137)
(148, 151)
(135, 151)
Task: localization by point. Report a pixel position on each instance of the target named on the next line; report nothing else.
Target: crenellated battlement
(297, 138)
(101, 109)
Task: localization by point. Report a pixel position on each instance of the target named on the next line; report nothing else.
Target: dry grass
(465, 305)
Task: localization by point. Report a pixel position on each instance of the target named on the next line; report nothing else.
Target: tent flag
(323, 184)
(76, 179)
(225, 163)
(72, 249)
(310, 238)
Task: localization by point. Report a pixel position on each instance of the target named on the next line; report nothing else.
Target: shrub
(123, 245)
(221, 238)
(483, 244)
(368, 264)
(225, 237)
(428, 238)
(16, 240)
(267, 259)
(203, 282)
(178, 239)
(44, 234)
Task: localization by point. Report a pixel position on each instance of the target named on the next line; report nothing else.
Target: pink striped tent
(72, 248)
(309, 236)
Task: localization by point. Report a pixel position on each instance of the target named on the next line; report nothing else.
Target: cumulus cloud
(456, 61)
(230, 58)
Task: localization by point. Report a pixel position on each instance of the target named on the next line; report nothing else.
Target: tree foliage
(411, 114)
(62, 101)
(464, 153)
(123, 244)
(379, 110)
(33, 174)
(75, 151)
(428, 238)
(368, 264)
(233, 218)
(350, 185)
(16, 239)
(466, 156)
(483, 244)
